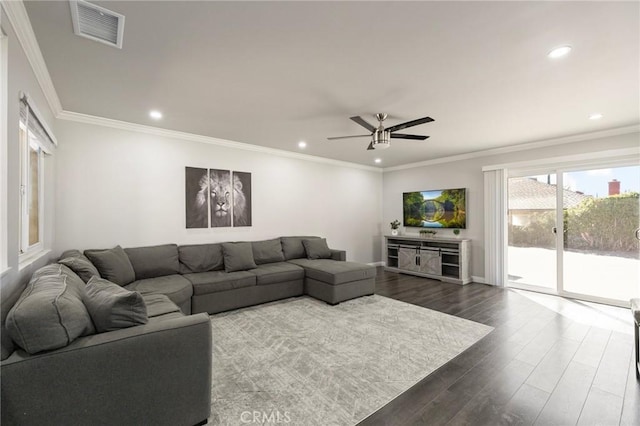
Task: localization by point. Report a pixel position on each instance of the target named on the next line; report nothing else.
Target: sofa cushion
(154, 261)
(200, 258)
(70, 253)
(113, 265)
(50, 312)
(238, 256)
(112, 307)
(335, 272)
(159, 304)
(175, 287)
(52, 269)
(268, 251)
(275, 273)
(215, 281)
(293, 247)
(81, 265)
(317, 248)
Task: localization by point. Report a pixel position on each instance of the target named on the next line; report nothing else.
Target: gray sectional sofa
(75, 369)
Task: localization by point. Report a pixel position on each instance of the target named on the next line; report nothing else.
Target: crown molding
(19, 19)
(521, 147)
(174, 134)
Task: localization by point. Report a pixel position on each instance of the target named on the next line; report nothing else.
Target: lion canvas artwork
(197, 197)
(241, 199)
(220, 190)
(217, 198)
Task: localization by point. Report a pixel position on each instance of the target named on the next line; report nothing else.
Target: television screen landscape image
(435, 209)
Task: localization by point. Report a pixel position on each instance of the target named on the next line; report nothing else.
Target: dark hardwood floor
(549, 361)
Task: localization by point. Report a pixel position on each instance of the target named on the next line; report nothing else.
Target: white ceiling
(275, 73)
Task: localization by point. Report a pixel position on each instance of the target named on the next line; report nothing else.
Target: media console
(445, 259)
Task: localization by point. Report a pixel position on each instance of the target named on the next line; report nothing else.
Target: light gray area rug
(302, 362)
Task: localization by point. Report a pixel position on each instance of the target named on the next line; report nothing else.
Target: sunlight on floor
(611, 277)
(588, 313)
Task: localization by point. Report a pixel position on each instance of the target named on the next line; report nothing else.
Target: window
(3, 153)
(35, 141)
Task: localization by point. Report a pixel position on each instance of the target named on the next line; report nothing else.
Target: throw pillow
(293, 248)
(317, 248)
(268, 251)
(200, 258)
(70, 253)
(112, 307)
(154, 261)
(50, 312)
(238, 257)
(81, 266)
(113, 265)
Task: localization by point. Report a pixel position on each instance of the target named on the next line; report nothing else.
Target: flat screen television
(444, 208)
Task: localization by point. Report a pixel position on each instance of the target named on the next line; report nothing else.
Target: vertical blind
(36, 126)
(494, 227)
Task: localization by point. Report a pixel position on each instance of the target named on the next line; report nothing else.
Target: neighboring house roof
(530, 194)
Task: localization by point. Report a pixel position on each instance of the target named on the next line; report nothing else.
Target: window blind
(35, 125)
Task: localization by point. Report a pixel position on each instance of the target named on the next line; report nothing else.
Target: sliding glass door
(531, 253)
(601, 256)
(574, 232)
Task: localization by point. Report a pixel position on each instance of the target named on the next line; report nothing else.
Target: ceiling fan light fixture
(380, 139)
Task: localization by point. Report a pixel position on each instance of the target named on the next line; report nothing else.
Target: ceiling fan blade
(370, 147)
(410, 124)
(363, 123)
(404, 136)
(348, 137)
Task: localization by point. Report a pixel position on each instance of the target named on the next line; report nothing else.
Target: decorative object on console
(456, 232)
(435, 208)
(394, 227)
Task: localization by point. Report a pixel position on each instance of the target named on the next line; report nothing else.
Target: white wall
(22, 78)
(126, 187)
(468, 174)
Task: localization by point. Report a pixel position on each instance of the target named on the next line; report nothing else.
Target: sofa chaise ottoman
(335, 282)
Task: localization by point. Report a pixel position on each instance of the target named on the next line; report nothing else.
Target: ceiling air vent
(97, 23)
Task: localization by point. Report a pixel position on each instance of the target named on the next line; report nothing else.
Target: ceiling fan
(380, 136)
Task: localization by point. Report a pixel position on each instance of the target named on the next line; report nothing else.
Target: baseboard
(377, 264)
(480, 280)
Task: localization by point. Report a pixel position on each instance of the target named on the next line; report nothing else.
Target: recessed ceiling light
(595, 116)
(156, 115)
(559, 52)
(378, 160)
(302, 144)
